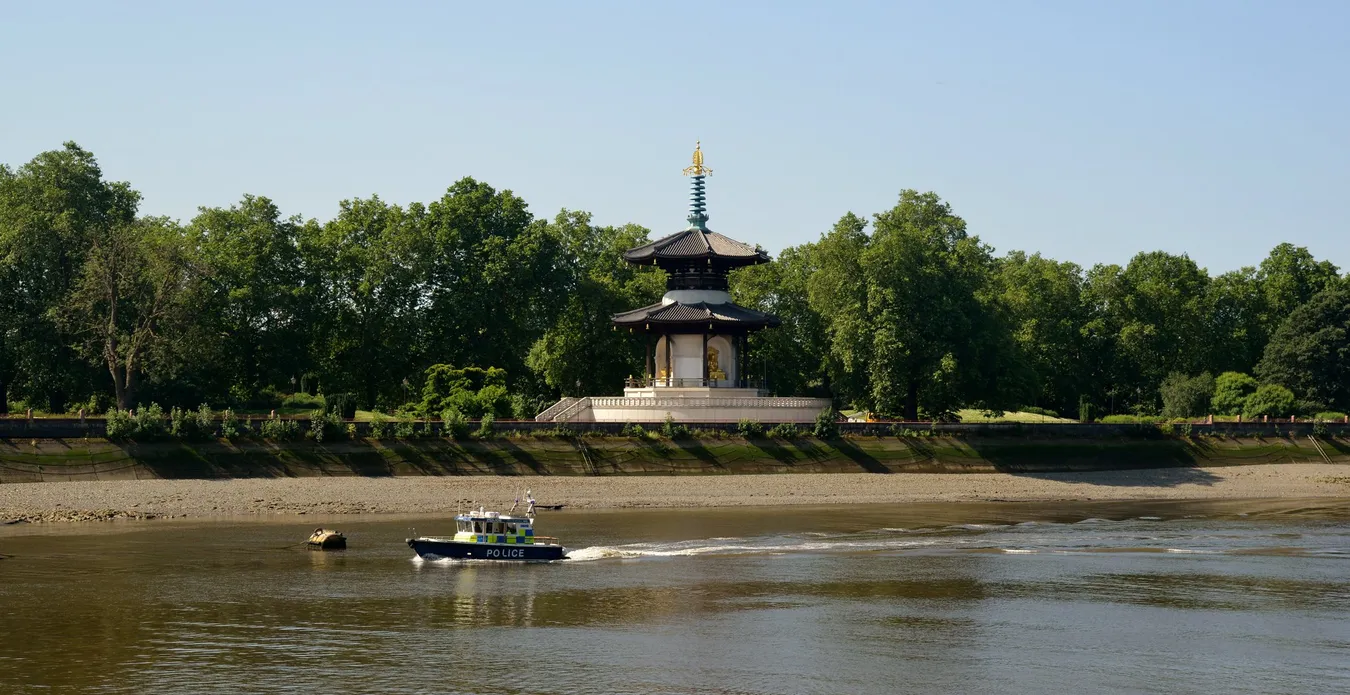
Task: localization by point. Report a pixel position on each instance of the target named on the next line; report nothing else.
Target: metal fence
(71, 427)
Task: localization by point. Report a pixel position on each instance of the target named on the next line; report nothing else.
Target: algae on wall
(100, 459)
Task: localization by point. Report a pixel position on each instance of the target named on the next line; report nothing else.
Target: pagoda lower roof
(695, 314)
(696, 244)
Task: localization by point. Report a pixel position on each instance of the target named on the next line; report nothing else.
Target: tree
(912, 317)
(837, 292)
(1269, 400)
(581, 353)
(1236, 306)
(50, 210)
(128, 301)
(1310, 352)
(793, 355)
(1045, 302)
(1288, 278)
(1230, 392)
(472, 392)
(491, 278)
(256, 295)
(1154, 315)
(1184, 396)
(370, 265)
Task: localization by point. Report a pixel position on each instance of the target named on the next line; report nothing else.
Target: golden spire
(697, 169)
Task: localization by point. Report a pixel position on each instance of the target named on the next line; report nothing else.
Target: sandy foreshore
(80, 501)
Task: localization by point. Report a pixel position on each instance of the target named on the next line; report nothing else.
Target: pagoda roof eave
(697, 244)
(676, 314)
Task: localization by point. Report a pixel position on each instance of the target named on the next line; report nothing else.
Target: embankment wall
(39, 459)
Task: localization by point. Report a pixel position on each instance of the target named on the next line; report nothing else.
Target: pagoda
(696, 336)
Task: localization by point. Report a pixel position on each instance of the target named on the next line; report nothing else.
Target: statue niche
(715, 372)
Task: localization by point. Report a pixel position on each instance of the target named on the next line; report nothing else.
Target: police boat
(484, 535)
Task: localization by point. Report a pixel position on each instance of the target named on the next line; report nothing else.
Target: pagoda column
(670, 371)
(740, 360)
(705, 358)
(649, 357)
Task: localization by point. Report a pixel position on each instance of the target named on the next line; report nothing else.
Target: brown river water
(1239, 597)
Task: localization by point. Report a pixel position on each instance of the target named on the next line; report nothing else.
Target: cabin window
(461, 526)
(511, 529)
(478, 527)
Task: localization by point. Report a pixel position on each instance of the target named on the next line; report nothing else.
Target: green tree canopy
(911, 314)
(1230, 392)
(580, 353)
(1184, 396)
(1310, 352)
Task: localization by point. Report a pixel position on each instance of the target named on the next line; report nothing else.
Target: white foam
(767, 547)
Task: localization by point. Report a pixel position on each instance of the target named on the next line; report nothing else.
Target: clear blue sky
(1088, 131)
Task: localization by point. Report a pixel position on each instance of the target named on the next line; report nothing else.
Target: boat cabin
(492, 527)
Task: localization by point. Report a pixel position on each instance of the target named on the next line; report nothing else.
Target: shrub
(1330, 416)
(279, 430)
(191, 425)
(178, 427)
(1231, 390)
(229, 424)
(344, 404)
(149, 423)
(749, 429)
(632, 430)
(1040, 411)
(96, 403)
(204, 422)
(485, 426)
(303, 401)
(1184, 396)
(1129, 420)
(784, 430)
(672, 430)
(405, 428)
(327, 425)
(266, 399)
(523, 408)
(119, 424)
(379, 426)
(827, 425)
(1269, 399)
(456, 426)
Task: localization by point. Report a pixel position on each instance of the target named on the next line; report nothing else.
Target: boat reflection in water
(484, 535)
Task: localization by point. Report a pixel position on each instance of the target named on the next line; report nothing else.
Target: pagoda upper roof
(696, 244)
(696, 313)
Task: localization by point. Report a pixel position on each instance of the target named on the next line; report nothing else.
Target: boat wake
(1139, 535)
(769, 545)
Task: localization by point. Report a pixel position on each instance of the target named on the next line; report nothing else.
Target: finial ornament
(698, 211)
(697, 169)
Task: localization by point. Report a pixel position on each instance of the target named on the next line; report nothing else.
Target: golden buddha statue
(715, 372)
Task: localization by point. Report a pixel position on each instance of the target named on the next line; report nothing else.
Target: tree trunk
(912, 401)
(119, 387)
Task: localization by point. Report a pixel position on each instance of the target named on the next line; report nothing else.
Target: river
(1236, 597)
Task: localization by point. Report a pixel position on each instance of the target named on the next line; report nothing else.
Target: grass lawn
(973, 415)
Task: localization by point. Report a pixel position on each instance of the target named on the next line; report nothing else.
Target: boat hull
(438, 549)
